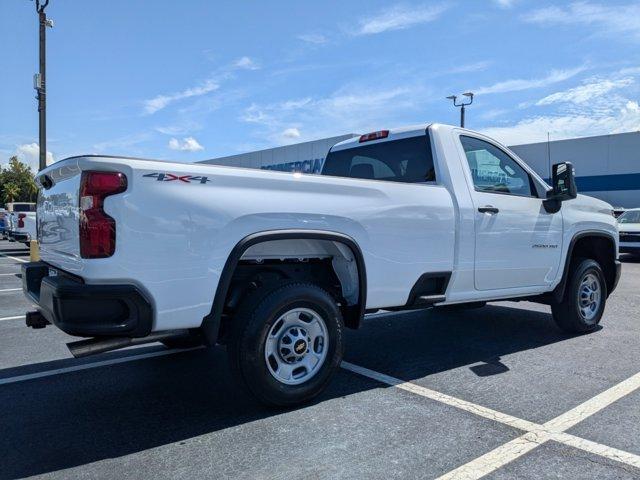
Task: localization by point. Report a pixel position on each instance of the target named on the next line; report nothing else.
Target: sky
(196, 79)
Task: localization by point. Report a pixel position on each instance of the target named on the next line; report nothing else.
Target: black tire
(256, 320)
(568, 314)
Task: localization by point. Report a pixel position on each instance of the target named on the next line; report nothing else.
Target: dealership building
(607, 166)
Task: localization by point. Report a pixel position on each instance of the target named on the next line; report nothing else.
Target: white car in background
(629, 227)
(20, 222)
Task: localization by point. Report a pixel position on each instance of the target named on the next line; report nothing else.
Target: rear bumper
(19, 236)
(87, 310)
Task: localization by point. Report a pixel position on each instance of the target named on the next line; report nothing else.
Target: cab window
(493, 171)
(407, 160)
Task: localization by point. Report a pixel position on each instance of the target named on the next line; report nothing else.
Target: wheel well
(602, 249)
(331, 261)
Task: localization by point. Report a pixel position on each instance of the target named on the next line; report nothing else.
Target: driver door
(518, 244)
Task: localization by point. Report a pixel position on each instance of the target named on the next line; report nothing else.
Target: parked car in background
(3, 213)
(24, 227)
(629, 227)
(20, 222)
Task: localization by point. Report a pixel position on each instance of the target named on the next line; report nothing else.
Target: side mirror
(564, 182)
(563, 186)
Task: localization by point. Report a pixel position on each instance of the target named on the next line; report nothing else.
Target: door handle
(488, 209)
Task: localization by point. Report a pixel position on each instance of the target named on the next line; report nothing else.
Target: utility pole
(462, 105)
(39, 82)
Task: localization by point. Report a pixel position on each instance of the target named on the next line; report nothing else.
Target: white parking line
(535, 434)
(443, 398)
(14, 258)
(7, 274)
(594, 405)
(87, 366)
(10, 290)
(489, 462)
(17, 317)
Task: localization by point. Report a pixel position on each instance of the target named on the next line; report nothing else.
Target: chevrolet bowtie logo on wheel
(300, 346)
(170, 177)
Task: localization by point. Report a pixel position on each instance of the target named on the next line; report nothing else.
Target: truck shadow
(77, 418)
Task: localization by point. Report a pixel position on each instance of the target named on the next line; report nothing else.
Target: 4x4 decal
(170, 177)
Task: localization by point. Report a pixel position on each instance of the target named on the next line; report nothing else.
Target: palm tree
(11, 191)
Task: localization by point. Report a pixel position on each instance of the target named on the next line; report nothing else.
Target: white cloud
(29, 153)
(161, 101)
(315, 38)
(585, 93)
(399, 18)
(246, 63)
(292, 132)
(580, 124)
(188, 144)
(354, 109)
(515, 85)
(504, 3)
(623, 21)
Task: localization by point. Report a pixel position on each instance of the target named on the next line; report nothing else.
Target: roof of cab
(394, 134)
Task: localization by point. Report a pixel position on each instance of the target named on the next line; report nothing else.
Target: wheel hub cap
(296, 346)
(589, 296)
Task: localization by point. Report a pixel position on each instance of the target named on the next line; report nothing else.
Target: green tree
(10, 191)
(16, 182)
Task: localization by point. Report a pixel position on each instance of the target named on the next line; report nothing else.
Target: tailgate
(57, 216)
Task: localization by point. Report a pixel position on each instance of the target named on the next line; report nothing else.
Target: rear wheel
(286, 343)
(584, 298)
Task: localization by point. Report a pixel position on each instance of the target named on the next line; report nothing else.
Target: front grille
(630, 237)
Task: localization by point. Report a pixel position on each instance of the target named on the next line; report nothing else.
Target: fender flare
(558, 292)
(211, 323)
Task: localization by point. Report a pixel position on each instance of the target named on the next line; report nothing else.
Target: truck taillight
(97, 229)
(21, 217)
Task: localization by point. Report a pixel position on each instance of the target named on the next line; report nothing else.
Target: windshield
(630, 217)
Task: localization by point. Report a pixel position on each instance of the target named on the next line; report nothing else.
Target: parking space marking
(7, 274)
(17, 317)
(535, 435)
(598, 449)
(490, 462)
(594, 405)
(10, 290)
(87, 366)
(443, 398)
(14, 258)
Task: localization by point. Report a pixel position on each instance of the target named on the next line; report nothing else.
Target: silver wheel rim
(589, 296)
(296, 346)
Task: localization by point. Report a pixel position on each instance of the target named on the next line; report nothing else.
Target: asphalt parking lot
(496, 392)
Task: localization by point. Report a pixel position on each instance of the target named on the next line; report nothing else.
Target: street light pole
(462, 105)
(40, 82)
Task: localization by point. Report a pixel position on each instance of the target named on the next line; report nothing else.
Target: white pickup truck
(20, 222)
(275, 265)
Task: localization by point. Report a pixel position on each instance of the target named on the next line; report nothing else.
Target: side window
(406, 160)
(494, 171)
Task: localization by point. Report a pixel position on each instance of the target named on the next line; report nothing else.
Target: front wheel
(286, 343)
(584, 299)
